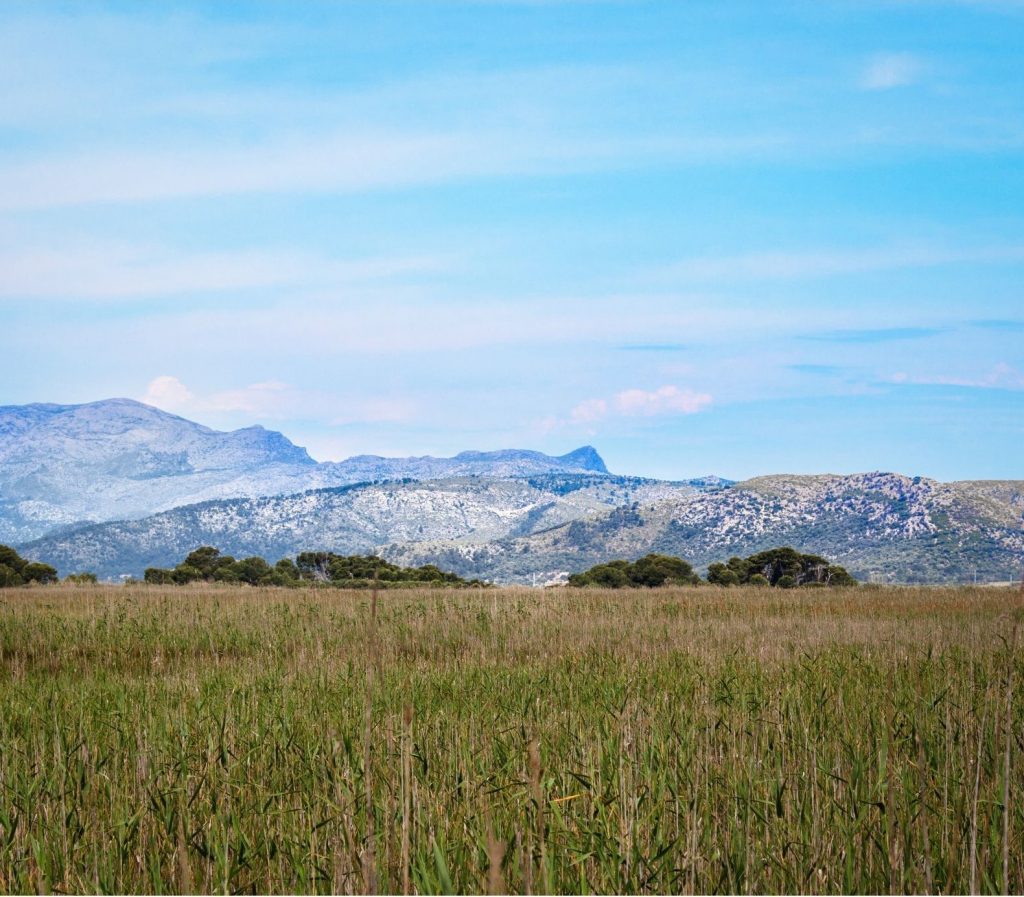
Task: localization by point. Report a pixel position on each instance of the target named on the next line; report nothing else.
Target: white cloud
(260, 400)
(168, 393)
(664, 400)
(885, 71)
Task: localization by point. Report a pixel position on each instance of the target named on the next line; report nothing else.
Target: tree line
(784, 568)
(207, 564)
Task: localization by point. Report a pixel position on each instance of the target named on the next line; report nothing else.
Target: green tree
(648, 572)
(10, 558)
(9, 577)
(41, 573)
(662, 569)
(253, 570)
(159, 576)
(783, 567)
(722, 575)
(185, 573)
(208, 561)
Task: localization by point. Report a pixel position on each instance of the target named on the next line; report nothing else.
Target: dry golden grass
(215, 739)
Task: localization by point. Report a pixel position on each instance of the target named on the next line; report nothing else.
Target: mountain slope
(881, 526)
(347, 519)
(64, 465)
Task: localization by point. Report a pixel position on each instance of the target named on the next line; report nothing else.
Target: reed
(681, 740)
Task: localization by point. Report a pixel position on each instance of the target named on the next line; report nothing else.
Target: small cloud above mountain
(664, 401)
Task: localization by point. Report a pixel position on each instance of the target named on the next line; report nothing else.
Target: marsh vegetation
(215, 738)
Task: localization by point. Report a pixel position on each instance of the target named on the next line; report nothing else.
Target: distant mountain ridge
(348, 519)
(881, 526)
(501, 463)
(67, 465)
(158, 485)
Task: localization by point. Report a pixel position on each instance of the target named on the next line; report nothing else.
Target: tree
(159, 576)
(11, 559)
(613, 575)
(722, 575)
(41, 573)
(9, 577)
(649, 571)
(783, 567)
(314, 565)
(185, 573)
(661, 569)
(209, 562)
(252, 570)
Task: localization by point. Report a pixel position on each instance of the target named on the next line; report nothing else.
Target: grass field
(234, 739)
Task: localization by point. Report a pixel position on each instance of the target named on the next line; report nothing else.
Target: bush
(80, 578)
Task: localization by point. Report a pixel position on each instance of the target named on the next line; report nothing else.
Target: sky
(704, 237)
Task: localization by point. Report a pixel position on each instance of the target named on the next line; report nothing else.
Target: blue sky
(704, 237)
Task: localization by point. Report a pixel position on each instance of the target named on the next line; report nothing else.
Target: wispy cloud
(341, 163)
(274, 400)
(1001, 376)
(797, 265)
(818, 370)
(653, 347)
(1003, 325)
(885, 71)
(873, 335)
(119, 270)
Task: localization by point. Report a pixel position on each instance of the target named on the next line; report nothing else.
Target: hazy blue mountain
(65, 465)
(503, 463)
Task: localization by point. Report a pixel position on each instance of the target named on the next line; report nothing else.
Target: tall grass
(231, 740)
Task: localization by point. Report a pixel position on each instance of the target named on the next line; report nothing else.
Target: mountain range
(69, 465)
(116, 486)
(882, 527)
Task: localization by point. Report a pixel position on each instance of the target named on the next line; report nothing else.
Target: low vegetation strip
(207, 738)
(207, 564)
